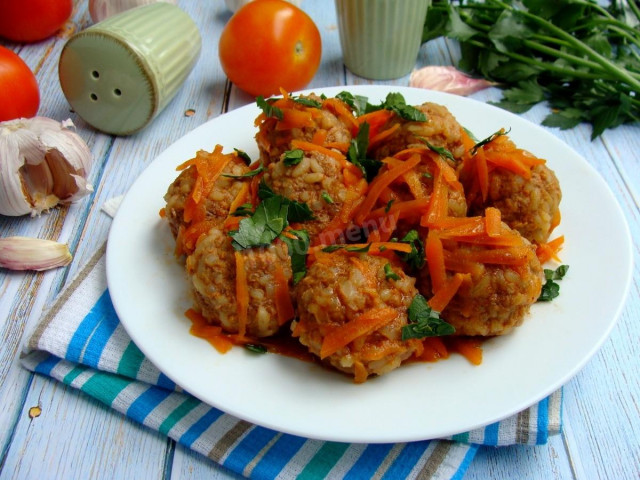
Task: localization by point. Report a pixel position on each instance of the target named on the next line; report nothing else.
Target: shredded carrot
(363, 324)
(447, 291)
(383, 135)
(342, 112)
(468, 347)
(284, 307)
(319, 136)
(382, 181)
(549, 250)
(193, 232)
(406, 209)
(434, 253)
(310, 147)
(376, 120)
(438, 202)
(294, 118)
(162, 212)
(497, 256)
(555, 221)
(433, 350)
(341, 146)
(338, 223)
(482, 170)
(493, 221)
(242, 293)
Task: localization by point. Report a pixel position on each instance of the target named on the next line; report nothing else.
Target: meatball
(274, 136)
(212, 273)
(441, 129)
(495, 299)
(317, 180)
(339, 288)
(217, 202)
(528, 205)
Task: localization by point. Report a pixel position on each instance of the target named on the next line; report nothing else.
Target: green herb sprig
(581, 57)
(550, 288)
(424, 321)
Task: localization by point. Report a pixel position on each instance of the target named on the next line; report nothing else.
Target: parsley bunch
(579, 56)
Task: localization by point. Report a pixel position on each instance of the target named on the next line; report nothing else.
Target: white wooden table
(77, 438)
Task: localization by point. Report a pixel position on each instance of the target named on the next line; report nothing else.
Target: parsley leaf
(397, 104)
(298, 211)
(358, 103)
(293, 157)
(298, 248)
(347, 248)
(357, 153)
(389, 273)
(424, 322)
(306, 101)
(243, 210)
(416, 258)
(244, 156)
(249, 174)
(255, 348)
(268, 109)
(551, 289)
(440, 151)
(489, 139)
(264, 226)
(326, 197)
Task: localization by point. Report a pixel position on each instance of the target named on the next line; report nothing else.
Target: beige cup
(380, 39)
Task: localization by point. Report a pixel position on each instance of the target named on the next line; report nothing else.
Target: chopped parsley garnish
(293, 157)
(268, 109)
(249, 174)
(263, 226)
(243, 155)
(440, 151)
(357, 153)
(326, 197)
(397, 104)
(358, 103)
(298, 211)
(298, 248)
(415, 259)
(551, 289)
(347, 248)
(424, 321)
(243, 210)
(489, 139)
(255, 347)
(388, 206)
(307, 102)
(389, 273)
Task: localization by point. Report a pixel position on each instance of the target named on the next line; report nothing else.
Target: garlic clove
(447, 79)
(42, 163)
(25, 253)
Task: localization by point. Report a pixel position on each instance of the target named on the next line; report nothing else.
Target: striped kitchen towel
(80, 342)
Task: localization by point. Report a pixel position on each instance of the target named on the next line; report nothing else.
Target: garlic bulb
(447, 79)
(234, 5)
(101, 9)
(42, 163)
(24, 253)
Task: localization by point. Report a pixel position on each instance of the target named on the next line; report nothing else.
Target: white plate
(417, 401)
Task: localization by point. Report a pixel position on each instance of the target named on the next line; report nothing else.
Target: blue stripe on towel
(101, 311)
(543, 421)
(199, 427)
(405, 461)
(146, 402)
(47, 365)
(466, 461)
(248, 448)
(165, 382)
(369, 461)
(280, 453)
(491, 434)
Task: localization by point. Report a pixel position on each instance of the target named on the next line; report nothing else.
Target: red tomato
(32, 20)
(268, 44)
(19, 93)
